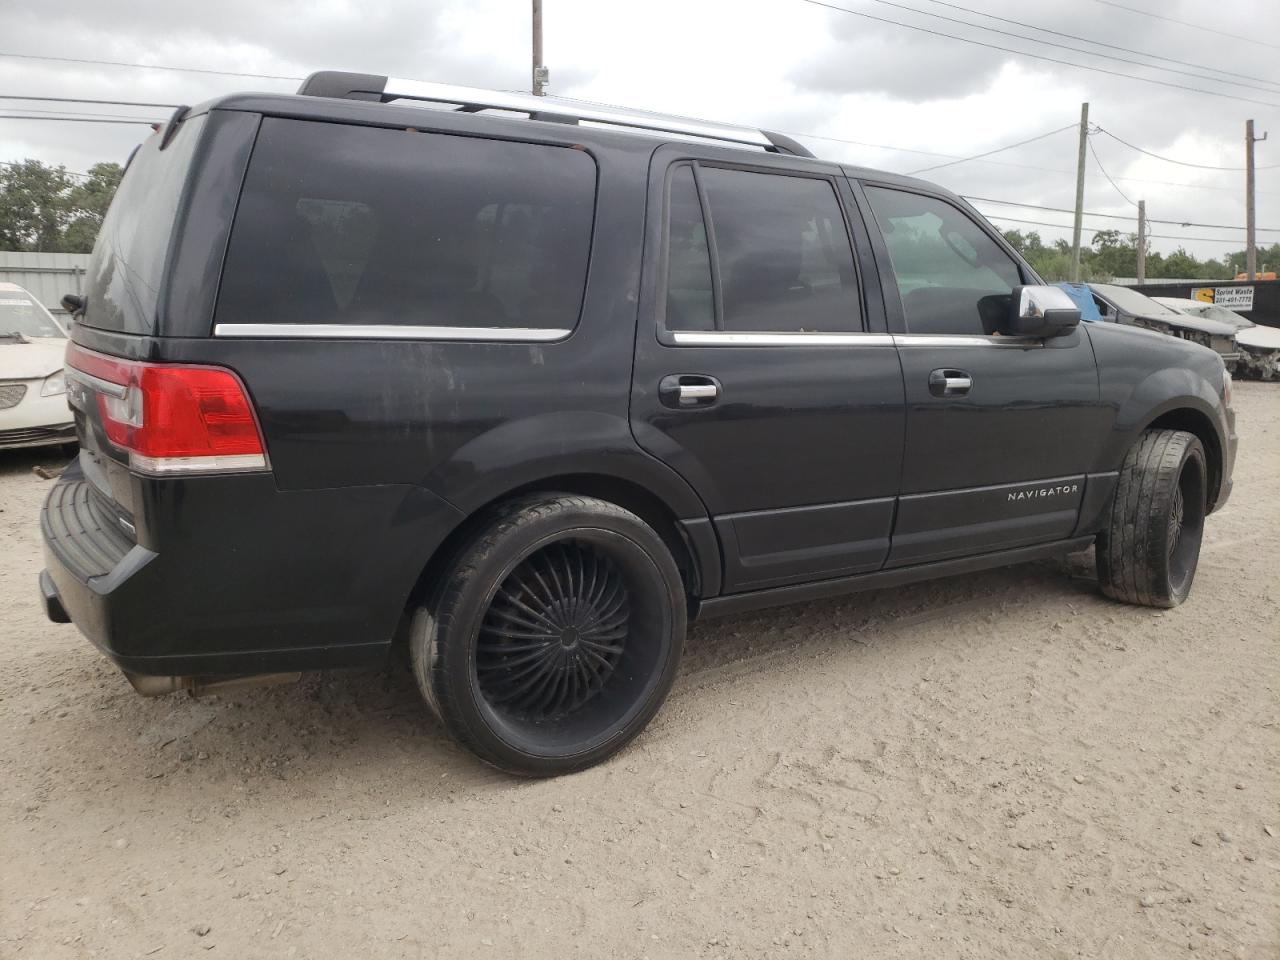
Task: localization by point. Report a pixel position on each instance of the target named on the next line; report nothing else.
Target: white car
(33, 390)
(1259, 346)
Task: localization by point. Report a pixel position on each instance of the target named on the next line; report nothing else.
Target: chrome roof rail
(363, 86)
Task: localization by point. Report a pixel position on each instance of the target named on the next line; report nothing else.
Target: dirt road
(998, 765)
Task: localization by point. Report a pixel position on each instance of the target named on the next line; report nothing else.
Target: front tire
(1148, 552)
(555, 637)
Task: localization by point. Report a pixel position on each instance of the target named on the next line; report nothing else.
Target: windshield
(21, 313)
(1130, 301)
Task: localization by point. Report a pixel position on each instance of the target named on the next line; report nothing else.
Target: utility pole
(539, 71)
(1079, 222)
(1250, 222)
(1142, 241)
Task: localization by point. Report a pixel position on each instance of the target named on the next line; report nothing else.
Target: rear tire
(1147, 553)
(555, 635)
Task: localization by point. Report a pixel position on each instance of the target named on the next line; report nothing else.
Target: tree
(45, 208)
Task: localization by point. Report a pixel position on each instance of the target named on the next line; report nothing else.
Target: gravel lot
(999, 765)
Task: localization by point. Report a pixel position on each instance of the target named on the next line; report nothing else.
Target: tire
(1148, 551)
(554, 636)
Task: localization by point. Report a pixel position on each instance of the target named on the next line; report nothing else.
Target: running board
(804, 592)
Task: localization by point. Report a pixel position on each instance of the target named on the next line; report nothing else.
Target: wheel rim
(554, 634)
(1186, 526)
(1175, 522)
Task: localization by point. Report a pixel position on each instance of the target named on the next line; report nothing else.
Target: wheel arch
(692, 541)
(1200, 425)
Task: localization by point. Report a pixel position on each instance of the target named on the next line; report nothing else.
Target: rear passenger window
(344, 224)
(953, 278)
(782, 254)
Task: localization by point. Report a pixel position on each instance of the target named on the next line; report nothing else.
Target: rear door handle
(685, 390)
(949, 383)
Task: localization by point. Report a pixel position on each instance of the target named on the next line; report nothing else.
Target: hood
(1185, 322)
(1259, 338)
(33, 360)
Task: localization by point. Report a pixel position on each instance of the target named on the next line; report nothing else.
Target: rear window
(127, 266)
(364, 226)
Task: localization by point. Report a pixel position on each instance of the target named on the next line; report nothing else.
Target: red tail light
(171, 418)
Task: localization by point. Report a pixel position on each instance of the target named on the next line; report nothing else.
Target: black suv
(523, 396)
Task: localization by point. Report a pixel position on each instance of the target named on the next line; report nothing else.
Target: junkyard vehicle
(523, 396)
(33, 392)
(1258, 346)
(1122, 305)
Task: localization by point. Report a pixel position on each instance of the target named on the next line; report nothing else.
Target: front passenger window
(953, 278)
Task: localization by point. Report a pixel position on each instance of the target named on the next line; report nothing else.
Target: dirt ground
(999, 765)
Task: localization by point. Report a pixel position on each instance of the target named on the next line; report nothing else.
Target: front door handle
(949, 383)
(685, 390)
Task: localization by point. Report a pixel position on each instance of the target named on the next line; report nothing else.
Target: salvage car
(1119, 304)
(33, 390)
(1258, 345)
(514, 387)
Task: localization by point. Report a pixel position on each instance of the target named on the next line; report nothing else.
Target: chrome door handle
(949, 383)
(686, 390)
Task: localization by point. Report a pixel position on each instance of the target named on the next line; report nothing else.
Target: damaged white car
(33, 389)
(1259, 346)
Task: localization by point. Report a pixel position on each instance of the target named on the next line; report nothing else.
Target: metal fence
(47, 275)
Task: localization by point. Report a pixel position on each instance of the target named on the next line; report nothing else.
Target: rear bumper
(272, 582)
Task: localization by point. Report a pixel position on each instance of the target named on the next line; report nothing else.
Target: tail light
(171, 418)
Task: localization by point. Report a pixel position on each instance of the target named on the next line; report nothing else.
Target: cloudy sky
(908, 98)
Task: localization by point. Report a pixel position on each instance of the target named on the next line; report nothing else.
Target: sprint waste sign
(1233, 298)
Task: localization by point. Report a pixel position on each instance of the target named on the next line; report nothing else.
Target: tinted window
(125, 272)
(783, 254)
(953, 278)
(690, 305)
(348, 224)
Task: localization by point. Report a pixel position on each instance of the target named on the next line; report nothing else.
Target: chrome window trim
(963, 340)
(729, 338)
(350, 331)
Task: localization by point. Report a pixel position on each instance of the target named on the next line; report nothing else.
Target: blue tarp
(1083, 299)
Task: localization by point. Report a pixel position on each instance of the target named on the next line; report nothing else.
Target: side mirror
(1041, 311)
(73, 304)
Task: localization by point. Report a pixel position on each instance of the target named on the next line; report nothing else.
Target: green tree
(89, 200)
(45, 208)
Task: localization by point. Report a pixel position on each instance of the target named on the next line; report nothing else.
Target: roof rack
(365, 86)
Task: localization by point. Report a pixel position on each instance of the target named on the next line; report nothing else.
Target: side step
(803, 592)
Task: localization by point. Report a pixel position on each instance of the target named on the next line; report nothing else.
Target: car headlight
(54, 384)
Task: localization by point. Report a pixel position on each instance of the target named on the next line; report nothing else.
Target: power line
(1037, 56)
(1181, 163)
(1196, 26)
(1117, 216)
(1063, 46)
(106, 103)
(1100, 43)
(149, 66)
(979, 156)
(1151, 236)
(43, 113)
(1114, 186)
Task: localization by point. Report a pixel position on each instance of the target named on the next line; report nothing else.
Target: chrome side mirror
(1042, 311)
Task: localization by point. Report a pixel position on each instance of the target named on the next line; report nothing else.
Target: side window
(783, 256)
(343, 224)
(690, 303)
(953, 278)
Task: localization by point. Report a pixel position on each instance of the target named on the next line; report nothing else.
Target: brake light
(172, 418)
